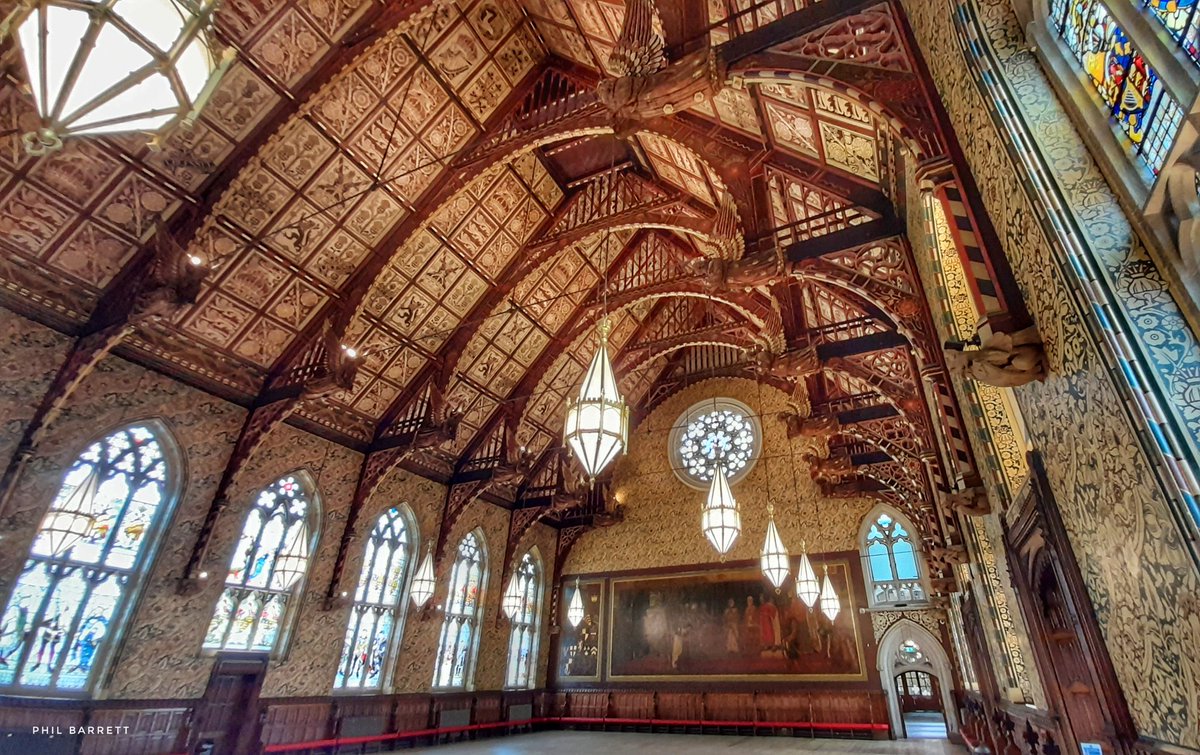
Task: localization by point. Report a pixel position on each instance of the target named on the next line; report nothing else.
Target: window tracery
(266, 569)
(59, 624)
(522, 639)
(458, 643)
(893, 567)
(373, 625)
(719, 432)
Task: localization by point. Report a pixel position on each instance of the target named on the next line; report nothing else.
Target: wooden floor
(616, 743)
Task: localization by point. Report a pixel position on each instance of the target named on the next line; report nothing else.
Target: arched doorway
(915, 672)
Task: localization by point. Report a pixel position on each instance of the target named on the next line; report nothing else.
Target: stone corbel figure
(808, 427)
(1005, 360)
(972, 502)
(1184, 206)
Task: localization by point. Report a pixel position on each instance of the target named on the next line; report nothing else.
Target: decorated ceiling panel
(365, 181)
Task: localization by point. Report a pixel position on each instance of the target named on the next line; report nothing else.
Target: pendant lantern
(575, 609)
(66, 526)
(830, 605)
(808, 589)
(720, 520)
(110, 66)
(597, 426)
(774, 558)
(291, 562)
(423, 582)
(511, 602)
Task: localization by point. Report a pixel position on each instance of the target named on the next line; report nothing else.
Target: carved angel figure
(171, 281)
(808, 427)
(1005, 360)
(441, 422)
(823, 469)
(793, 364)
(644, 86)
(759, 269)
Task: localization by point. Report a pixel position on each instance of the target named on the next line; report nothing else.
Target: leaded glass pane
(56, 628)
(724, 437)
(251, 611)
(381, 583)
(895, 575)
(456, 645)
(524, 623)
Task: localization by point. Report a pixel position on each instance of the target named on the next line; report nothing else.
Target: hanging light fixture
(597, 426)
(511, 602)
(575, 609)
(721, 520)
(291, 561)
(830, 605)
(807, 586)
(423, 582)
(774, 557)
(66, 526)
(107, 66)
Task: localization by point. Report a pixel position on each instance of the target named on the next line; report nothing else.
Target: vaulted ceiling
(439, 187)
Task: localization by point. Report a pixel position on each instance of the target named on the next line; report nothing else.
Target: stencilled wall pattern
(1128, 547)
(160, 655)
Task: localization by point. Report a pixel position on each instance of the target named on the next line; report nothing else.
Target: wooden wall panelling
(295, 721)
(150, 731)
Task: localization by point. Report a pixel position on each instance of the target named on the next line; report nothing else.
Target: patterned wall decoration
(1122, 530)
(653, 494)
(931, 619)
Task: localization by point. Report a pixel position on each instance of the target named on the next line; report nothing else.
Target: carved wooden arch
(909, 326)
(730, 342)
(766, 319)
(752, 72)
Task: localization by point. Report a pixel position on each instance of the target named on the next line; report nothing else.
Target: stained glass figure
(458, 642)
(894, 572)
(58, 625)
(251, 611)
(366, 652)
(1129, 86)
(522, 638)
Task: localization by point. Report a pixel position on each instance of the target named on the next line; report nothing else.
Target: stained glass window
(267, 567)
(522, 638)
(1130, 87)
(894, 571)
(459, 639)
(1179, 17)
(58, 626)
(366, 652)
(712, 434)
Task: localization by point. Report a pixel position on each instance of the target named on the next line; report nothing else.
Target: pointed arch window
(523, 635)
(458, 643)
(267, 569)
(377, 615)
(86, 564)
(893, 568)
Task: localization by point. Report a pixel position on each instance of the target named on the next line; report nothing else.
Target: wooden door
(226, 718)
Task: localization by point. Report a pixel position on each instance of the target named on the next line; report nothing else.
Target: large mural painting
(730, 624)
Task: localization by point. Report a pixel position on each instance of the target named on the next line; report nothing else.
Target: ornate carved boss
(1005, 360)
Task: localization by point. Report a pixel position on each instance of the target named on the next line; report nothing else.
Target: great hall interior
(578, 375)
